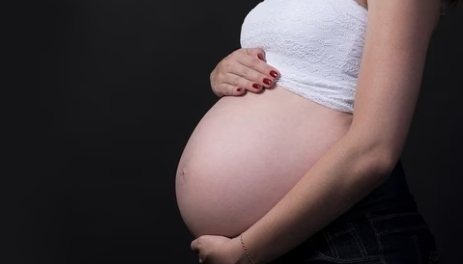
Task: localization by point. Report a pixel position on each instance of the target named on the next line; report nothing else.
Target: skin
(217, 197)
(238, 72)
(397, 39)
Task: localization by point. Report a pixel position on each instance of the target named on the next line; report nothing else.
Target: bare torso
(246, 153)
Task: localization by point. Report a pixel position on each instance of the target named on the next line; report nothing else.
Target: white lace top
(316, 45)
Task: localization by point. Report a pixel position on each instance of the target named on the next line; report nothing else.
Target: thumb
(197, 248)
(196, 245)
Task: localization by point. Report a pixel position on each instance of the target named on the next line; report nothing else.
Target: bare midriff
(246, 153)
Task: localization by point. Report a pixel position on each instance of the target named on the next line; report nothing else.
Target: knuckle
(246, 72)
(217, 78)
(235, 80)
(254, 63)
(234, 55)
(226, 65)
(243, 51)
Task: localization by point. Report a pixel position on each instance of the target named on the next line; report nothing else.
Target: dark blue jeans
(383, 228)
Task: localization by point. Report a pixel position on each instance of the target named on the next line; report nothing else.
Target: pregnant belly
(246, 153)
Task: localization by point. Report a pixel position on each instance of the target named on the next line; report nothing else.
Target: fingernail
(239, 90)
(257, 86)
(267, 81)
(260, 56)
(274, 74)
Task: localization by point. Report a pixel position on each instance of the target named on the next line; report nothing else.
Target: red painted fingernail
(267, 81)
(274, 74)
(260, 56)
(239, 90)
(257, 86)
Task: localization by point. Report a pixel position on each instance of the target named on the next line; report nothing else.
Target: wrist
(241, 257)
(246, 256)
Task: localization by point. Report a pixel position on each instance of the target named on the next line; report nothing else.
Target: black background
(122, 86)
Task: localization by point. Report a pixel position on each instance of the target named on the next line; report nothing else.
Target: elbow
(385, 161)
(375, 159)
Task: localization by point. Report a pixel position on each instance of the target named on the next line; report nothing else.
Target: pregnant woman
(299, 160)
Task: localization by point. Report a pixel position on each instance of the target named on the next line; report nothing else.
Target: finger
(195, 245)
(255, 52)
(259, 66)
(232, 84)
(252, 78)
(238, 75)
(228, 89)
(238, 81)
(240, 65)
(252, 58)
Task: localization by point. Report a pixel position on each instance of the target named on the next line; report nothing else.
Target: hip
(384, 227)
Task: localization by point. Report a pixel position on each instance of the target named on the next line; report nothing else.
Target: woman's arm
(397, 37)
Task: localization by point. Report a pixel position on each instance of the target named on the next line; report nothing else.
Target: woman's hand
(213, 249)
(244, 69)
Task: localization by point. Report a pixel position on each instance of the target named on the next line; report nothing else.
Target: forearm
(345, 174)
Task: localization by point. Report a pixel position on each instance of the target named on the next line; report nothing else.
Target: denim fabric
(383, 228)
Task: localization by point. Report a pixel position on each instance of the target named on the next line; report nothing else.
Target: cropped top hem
(330, 102)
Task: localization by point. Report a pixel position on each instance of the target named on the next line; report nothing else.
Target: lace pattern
(316, 45)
